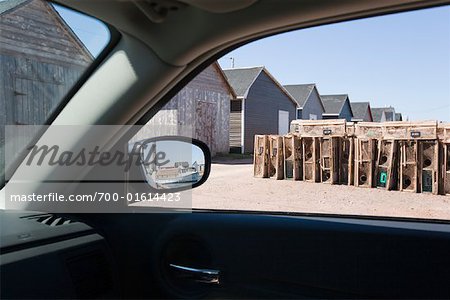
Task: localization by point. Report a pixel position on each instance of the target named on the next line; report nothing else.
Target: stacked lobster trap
(401, 156)
(444, 140)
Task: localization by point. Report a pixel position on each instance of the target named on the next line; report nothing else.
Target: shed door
(283, 122)
(205, 121)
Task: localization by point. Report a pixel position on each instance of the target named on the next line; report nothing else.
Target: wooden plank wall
(35, 31)
(30, 90)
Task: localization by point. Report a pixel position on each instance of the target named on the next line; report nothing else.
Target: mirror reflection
(169, 164)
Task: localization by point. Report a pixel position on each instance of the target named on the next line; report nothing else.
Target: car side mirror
(173, 163)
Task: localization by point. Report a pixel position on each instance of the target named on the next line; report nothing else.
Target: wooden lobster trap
(429, 166)
(348, 155)
(419, 154)
(445, 163)
(408, 166)
(365, 155)
(261, 156)
(329, 159)
(386, 166)
(367, 135)
(324, 141)
(276, 157)
(293, 157)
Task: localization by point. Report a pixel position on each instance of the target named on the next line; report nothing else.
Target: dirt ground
(231, 186)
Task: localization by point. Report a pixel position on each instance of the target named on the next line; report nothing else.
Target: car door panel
(284, 256)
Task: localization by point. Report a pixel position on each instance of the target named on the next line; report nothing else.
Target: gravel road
(232, 186)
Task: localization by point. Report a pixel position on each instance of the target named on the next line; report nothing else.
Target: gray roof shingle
(389, 115)
(241, 79)
(333, 103)
(359, 109)
(378, 112)
(300, 92)
(10, 4)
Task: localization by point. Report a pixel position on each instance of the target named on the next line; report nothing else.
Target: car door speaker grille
(50, 220)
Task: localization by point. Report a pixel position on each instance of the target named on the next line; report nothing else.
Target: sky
(93, 33)
(178, 151)
(401, 60)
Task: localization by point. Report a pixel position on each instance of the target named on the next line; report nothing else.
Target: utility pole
(232, 62)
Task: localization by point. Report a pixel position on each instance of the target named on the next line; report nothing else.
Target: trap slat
(446, 169)
(368, 130)
(319, 128)
(444, 138)
(350, 129)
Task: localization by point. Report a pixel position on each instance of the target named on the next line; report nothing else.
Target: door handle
(199, 275)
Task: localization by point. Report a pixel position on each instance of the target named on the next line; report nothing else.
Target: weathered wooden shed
(262, 106)
(201, 110)
(40, 60)
(308, 99)
(337, 107)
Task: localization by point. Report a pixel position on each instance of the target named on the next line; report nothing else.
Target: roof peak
(243, 68)
(299, 84)
(334, 95)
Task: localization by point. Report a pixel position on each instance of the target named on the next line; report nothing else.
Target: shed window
(236, 105)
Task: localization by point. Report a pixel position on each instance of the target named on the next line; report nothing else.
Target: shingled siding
(201, 110)
(312, 106)
(34, 30)
(261, 107)
(346, 112)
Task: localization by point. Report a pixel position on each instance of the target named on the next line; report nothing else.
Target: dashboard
(52, 257)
